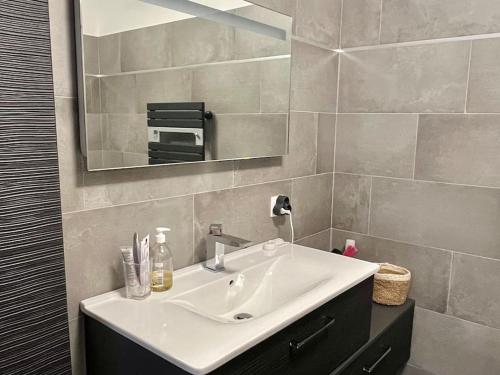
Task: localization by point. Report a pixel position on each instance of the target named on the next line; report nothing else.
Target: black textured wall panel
(33, 318)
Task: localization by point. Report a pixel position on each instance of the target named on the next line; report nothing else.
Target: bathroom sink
(208, 318)
(258, 290)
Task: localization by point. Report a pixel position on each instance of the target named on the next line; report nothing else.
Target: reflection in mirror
(173, 81)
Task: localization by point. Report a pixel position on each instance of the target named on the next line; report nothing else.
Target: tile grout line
(369, 206)
(423, 42)
(311, 43)
(419, 245)
(192, 66)
(319, 112)
(416, 148)
(380, 23)
(316, 143)
(420, 180)
(340, 23)
(311, 235)
(416, 113)
(447, 310)
(468, 78)
(449, 316)
(336, 118)
(234, 172)
(394, 240)
(196, 193)
(193, 235)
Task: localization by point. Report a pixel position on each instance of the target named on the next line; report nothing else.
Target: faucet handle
(216, 229)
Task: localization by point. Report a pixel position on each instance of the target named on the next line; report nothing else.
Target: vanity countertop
(192, 325)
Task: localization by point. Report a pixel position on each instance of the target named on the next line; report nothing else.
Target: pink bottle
(350, 249)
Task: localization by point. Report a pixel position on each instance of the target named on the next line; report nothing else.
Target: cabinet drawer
(385, 353)
(316, 344)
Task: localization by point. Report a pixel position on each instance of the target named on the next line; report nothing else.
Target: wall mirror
(176, 81)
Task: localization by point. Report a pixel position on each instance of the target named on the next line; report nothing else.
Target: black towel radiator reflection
(177, 132)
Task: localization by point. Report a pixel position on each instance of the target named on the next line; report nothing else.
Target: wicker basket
(391, 285)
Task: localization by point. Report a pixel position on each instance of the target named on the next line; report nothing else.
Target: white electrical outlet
(273, 203)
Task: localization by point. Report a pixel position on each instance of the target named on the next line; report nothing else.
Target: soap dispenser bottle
(162, 266)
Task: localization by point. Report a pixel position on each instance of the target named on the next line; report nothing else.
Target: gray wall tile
(63, 47)
(406, 20)
(430, 268)
(459, 148)
(223, 90)
(77, 346)
(412, 370)
(92, 94)
(440, 215)
(249, 135)
(319, 241)
(137, 135)
(94, 159)
(360, 22)
(146, 48)
(428, 78)
(275, 85)
(314, 78)
(114, 131)
(118, 94)
(319, 21)
(109, 54)
(300, 161)
(135, 159)
(243, 212)
(93, 130)
(484, 81)
(163, 86)
(93, 239)
(198, 40)
(70, 158)
(351, 202)
(312, 203)
(91, 54)
(109, 188)
(326, 142)
(125, 132)
(449, 346)
(376, 144)
(112, 159)
(474, 290)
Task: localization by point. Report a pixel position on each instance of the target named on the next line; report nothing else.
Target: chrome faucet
(216, 247)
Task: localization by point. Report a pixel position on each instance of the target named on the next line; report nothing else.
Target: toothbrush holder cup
(137, 279)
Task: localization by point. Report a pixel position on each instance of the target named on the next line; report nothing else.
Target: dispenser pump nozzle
(160, 234)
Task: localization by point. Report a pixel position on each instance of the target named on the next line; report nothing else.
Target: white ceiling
(103, 17)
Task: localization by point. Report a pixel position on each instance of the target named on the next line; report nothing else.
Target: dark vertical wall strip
(33, 316)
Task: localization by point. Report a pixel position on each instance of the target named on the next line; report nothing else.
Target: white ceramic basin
(197, 325)
(256, 291)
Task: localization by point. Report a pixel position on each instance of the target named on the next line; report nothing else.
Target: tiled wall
(101, 210)
(418, 166)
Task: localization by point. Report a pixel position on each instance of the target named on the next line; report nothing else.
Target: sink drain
(242, 316)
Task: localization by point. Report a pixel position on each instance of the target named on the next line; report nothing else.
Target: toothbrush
(137, 256)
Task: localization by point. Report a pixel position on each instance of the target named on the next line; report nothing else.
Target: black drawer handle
(296, 346)
(373, 367)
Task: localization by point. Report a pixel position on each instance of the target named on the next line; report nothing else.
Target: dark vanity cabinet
(346, 336)
(388, 348)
